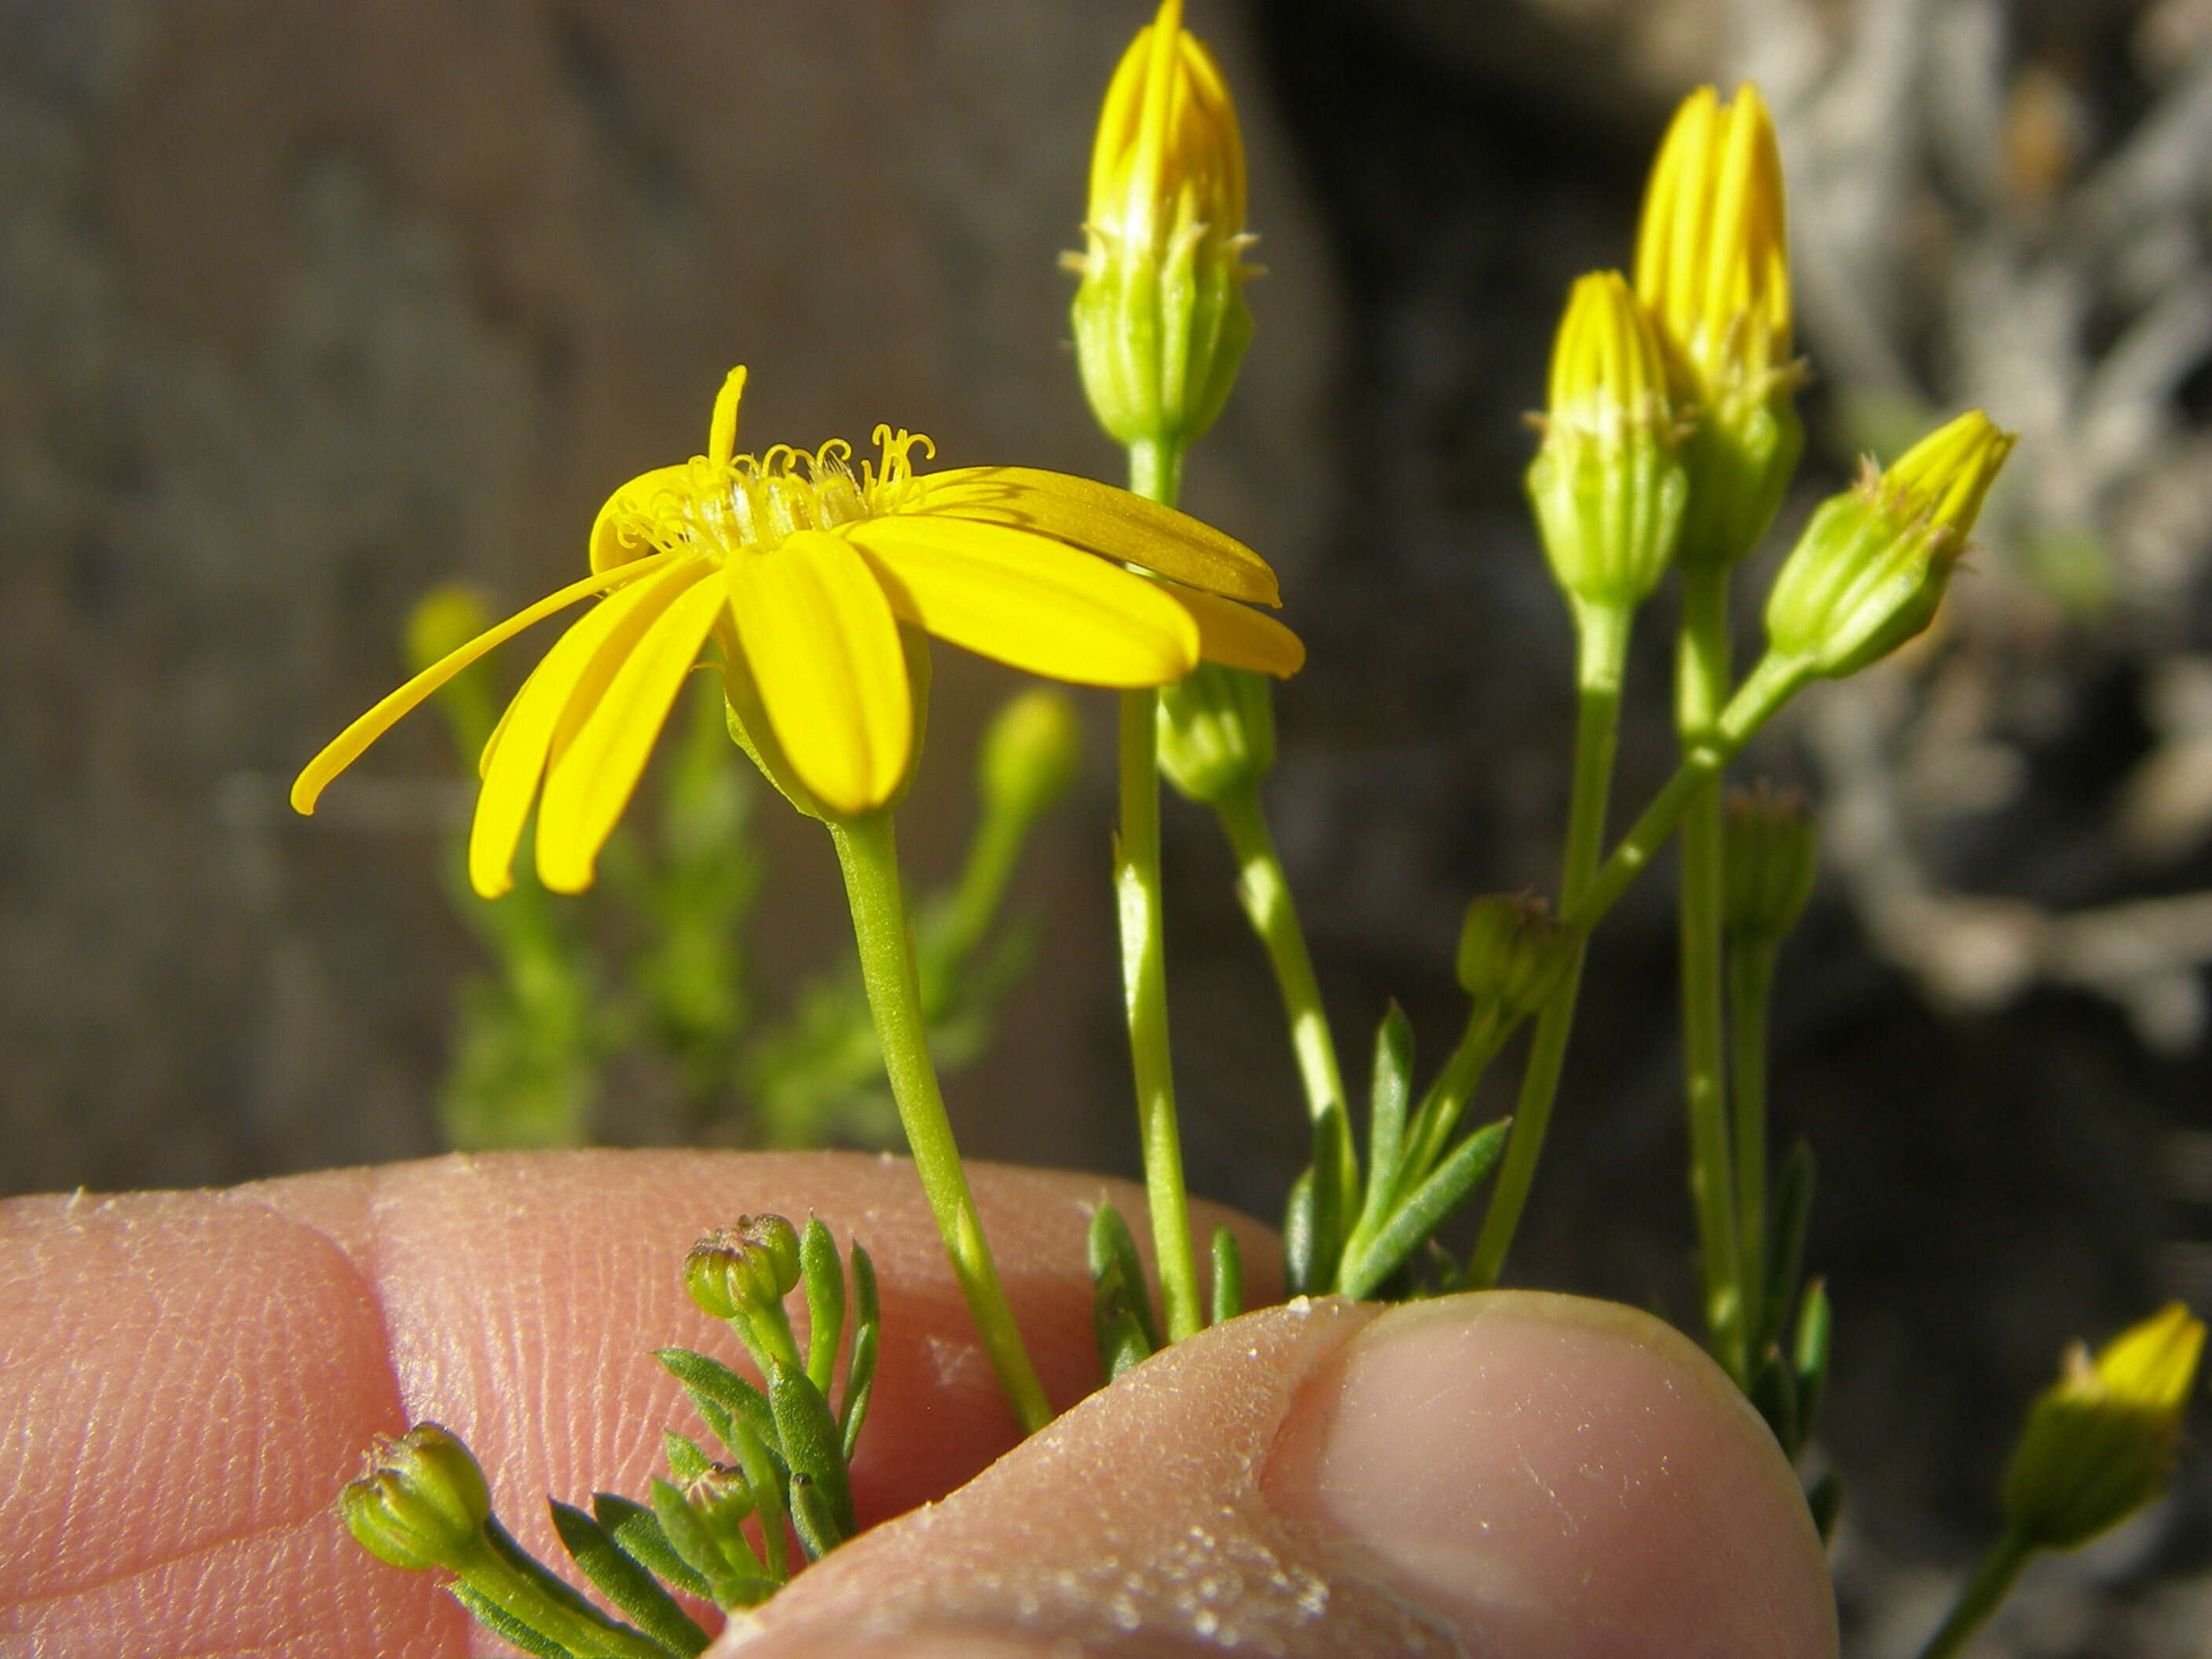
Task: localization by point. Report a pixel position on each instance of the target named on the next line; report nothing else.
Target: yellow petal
(1098, 518)
(824, 647)
(346, 747)
(610, 547)
(581, 663)
(588, 787)
(1030, 601)
(1239, 636)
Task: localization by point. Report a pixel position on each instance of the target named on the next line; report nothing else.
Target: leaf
(712, 1384)
(1113, 1248)
(1774, 1391)
(1228, 1277)
(686, 1463)
(1300, 1242)
(626, 1583)
(817, 1528)
(824, 1278)
(860, 1371)
(1426, 1210)
(1387, 1094)
(638, 1535)
(812, 1449)
(1810, 1358)
(1793, 1207)
(690, 1536)
(505, 1626)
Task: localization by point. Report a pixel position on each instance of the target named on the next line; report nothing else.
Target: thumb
(1509, 1473)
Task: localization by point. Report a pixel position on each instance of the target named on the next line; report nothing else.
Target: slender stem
(1144, 983)
(1156, 470)
(1984, 1593)
(510, 1590)
(1266, 894)
(1602, 652)
(1438, 1115)
(1701, 689)
(867, 851)
(1751, 988)
(992, 857)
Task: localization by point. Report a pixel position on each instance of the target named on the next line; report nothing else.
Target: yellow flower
(2100, 1443)
(1160, 320)
(812, 579)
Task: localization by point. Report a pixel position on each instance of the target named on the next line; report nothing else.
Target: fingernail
(1554, 1476)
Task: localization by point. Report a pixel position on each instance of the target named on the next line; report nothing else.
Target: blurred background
(307, 306)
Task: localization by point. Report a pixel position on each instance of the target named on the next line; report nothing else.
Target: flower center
(753, 504)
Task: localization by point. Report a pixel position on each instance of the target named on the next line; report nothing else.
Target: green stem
(1601, 637)
(1701, 689)
(1144, 983)
(1984, 1593)
(1156, 470)
(1440, 1109)
(993, 857)
(510, 1590)
(1751, 989)
(867, 853)
(1266, 894)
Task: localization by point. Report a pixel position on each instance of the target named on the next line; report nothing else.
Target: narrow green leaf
(810, 1517)
(766, 1473)
(824, 1275)
(1300, 1242)
(625, 1584)
(1113, 1246)
(505, 1626)
(1774, 1392)
(686, 1461)
(542, 1579)
(1332, 1154)
(812, 1449)
(1426, 1210)
(860, 1383)
(1825, 1500)
(1390, 1089)
(637, 1535)
(710, 1381)
(1810, 1356)
(1793, 1209)
(688, 1534)
(1228, 1277)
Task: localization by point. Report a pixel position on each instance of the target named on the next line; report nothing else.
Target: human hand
(186, 1379)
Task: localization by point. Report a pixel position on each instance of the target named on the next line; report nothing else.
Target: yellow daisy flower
(803, 571)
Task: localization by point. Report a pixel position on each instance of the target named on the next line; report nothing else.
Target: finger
(187, 1378)
(1511, 1472)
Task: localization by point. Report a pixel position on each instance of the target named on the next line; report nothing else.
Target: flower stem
(1602, 652)
(1984, 1593)
(1266, 894)
(867, 853)
(518, 1595)
(1144, 987)
(1701, 688)
(1751, 989)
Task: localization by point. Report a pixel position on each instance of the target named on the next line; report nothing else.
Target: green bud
(2100, 1443)
(1773, 855)
(1871, 568)
(1607, 483)
(1217, 729)
(421, 1502)
(1513, 955)
(734, 1272)
(1160, 321)
(1030, 755)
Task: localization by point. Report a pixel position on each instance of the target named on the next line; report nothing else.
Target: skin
(187, 1378)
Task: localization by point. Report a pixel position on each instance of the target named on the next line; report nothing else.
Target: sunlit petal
(610, 546)
(346, 747)
(1099, 517)
(823, 644)
(574, 672)
(1030, 601)
(1239, 636)
(588, 787)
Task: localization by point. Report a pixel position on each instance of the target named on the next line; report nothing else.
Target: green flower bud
(1217, 731)
(444, 620)
(1871, 568)
(421, 1502)
(1160, 320)
(2100, 1443)
(1513, 955)
(734, 1272)
(1607, 483)
(1030, 755)
(1773, 854)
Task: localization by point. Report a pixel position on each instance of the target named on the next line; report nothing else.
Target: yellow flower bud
(1773, 856)
(1712, 262)
(1513, 954)
(421, 1502)
(1608, 483)
(1160, 320)
(1217, 732)
(1871, 568)
(2100, 1443)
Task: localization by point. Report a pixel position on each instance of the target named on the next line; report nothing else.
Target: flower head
(1160, 320)
(1712, 262)
(2100, 1442)
(421, 1502)
(1608, 483)
(813, 580)
(1873, 564)
(1514, 954)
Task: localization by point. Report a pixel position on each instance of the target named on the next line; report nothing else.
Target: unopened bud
(1513, 954)
(444, 620)
(1608, 483)
(1217, 732)
(421, 1502)
(1773, 856)
(734, 1272)
(2100, 1443)
(1871, 568)
(1160, 320)
(1030, 755)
